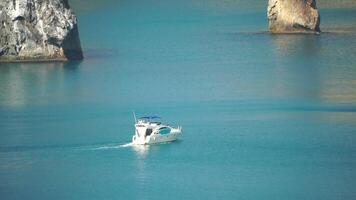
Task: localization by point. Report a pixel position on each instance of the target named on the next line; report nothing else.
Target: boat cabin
(146, 126)
(149, 130)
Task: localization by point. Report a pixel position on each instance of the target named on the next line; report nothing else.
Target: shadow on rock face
(71, 45)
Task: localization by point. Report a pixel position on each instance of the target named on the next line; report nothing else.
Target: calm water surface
(264, 116)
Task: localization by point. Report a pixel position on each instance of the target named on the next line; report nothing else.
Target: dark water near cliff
(264, 116)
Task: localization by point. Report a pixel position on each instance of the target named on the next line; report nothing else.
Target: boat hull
(156, 138)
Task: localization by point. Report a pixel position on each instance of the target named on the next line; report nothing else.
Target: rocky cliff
(290, 16)
(32, 30)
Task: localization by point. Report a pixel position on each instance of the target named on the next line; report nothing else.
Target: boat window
(148, 131)
(164, 130)
(158, 123)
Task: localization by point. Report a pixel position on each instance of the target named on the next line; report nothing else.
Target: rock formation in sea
(293, 16)
(38, 30)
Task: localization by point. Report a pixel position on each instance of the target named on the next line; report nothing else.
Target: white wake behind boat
(149, 130)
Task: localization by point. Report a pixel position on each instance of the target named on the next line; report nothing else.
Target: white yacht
(149, 130)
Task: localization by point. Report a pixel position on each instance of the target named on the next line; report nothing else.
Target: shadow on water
(301, 47)
(95, 54)
(71, 66)
(305, 63)
(297, 63)
(305, 66)
(21, 83)
(292, 59)
(296, 58)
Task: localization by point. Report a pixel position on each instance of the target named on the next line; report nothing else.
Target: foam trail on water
(106, 147)
(127, 145)
(112, 146)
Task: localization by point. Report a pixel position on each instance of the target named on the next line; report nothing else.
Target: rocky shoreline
(47, 30)
(38, 30)
(293, 16)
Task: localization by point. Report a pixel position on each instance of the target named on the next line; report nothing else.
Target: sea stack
(293, 16)
(38, 30)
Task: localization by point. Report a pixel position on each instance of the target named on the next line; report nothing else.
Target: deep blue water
(264, 116)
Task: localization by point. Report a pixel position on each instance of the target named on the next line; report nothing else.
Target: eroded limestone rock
(291, 16)
(38, 30)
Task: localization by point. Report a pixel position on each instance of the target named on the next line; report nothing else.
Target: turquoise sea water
(264, 116)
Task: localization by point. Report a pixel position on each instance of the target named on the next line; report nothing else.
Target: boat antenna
(134, 115)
